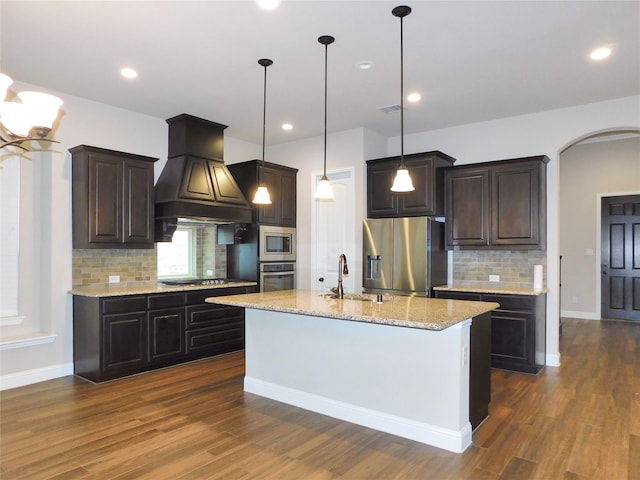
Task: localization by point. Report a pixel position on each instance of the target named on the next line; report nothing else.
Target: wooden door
(620, 270)
(333, 232)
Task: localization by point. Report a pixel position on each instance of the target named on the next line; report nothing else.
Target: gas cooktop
(197, 281)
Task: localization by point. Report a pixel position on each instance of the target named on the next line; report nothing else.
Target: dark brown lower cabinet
(118, 336)
(518, 329)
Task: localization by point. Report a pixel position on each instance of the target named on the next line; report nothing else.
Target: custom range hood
(195, 183)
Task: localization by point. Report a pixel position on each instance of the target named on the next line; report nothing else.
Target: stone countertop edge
(401, 311)
(491, 288)
(142, 288)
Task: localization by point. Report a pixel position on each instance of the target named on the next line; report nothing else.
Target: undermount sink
(361, 297)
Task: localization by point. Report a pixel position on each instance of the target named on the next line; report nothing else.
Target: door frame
(598, 266)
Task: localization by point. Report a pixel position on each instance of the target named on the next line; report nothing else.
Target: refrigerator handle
(374, 263)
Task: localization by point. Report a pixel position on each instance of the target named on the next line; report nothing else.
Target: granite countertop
(492, 287)
(141, 288)
(396, 310)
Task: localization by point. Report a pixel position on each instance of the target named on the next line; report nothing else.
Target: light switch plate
(494, 278)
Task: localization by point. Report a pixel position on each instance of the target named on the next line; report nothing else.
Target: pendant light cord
(264, 112)
(326, 49)
(401, 97)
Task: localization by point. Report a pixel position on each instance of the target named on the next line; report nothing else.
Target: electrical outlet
(574, 300)
(209, 273)
(114, 278)
(494, 278)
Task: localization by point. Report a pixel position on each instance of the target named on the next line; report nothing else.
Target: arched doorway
(592, 167)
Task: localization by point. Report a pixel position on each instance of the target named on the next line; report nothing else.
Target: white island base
(409, 382)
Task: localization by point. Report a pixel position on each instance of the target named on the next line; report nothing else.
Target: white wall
(95, 124)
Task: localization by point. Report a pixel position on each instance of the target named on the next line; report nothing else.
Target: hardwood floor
(578, 421)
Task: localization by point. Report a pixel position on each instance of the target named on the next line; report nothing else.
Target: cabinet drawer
(523, 303)
(165, 300)
(215, 340)
(124, 304)
(199, 296)
(458, 295)
(209, 315)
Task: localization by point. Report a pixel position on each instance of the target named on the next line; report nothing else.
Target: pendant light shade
(324, 191)
(402, 182)
(262, 196)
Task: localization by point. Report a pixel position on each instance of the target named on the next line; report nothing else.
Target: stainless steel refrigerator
(403, 255)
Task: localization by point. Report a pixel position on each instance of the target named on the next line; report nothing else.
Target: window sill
(25, 341)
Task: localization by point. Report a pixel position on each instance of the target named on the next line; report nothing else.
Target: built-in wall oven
(277, 244)
(277, 276)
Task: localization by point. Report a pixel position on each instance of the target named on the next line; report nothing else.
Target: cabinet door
(515, 205)
(287, 200)
(282, 188)
(166, 329)
(138, 197)
(381, 202)
(513, 332)
(467, 207)
(105, 199)
(269, 214)
(123, 343)
(422, 201)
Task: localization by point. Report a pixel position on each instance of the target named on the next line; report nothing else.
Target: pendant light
(324, 191)
(262, 196)
(402, 182)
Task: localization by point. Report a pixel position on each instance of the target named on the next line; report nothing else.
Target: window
(176, 258)
(9, 240)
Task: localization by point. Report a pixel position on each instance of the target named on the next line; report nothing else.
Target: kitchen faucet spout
(342, 269)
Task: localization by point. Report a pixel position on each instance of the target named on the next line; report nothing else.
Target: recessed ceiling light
(365, 65)
(414, 97)
(268, 4)
(287, 126)
(128, 72)
(600, 53)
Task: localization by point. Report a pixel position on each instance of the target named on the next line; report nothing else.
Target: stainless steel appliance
(277, 244)
(277, 276)
(403, 255)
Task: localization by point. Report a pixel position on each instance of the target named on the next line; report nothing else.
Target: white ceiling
(470, 60)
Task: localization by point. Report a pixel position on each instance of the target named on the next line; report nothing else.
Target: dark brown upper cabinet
(426, 171)
(281, 183)
(497, 205)
(113, 199)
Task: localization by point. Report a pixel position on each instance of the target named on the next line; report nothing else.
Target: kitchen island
(401, 366)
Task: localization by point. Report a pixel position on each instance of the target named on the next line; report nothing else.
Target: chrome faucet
(342, 269)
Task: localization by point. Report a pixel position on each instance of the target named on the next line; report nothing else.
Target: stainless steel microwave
(277, 244)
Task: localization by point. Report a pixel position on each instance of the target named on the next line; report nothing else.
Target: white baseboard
(20, 379)
(580, 315)
(552, 360)
(454, 441)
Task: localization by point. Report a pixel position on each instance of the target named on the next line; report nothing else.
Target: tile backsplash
(95, 266)
(514, 267)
